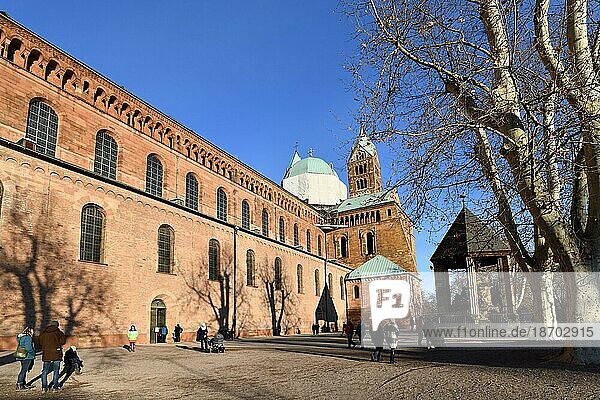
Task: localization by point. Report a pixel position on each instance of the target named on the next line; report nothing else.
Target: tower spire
(294, 160)
(364, 170)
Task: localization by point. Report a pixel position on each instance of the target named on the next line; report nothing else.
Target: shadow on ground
(335, 346)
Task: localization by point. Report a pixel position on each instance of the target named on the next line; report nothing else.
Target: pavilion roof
(468, 236)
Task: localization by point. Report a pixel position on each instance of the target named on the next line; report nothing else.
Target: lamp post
(327, 228)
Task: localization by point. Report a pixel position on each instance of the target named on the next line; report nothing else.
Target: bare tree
(218, 292)
(429, 303)
(485, 97)
(36, 264)
(277, 294)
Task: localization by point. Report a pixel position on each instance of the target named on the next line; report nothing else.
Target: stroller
(216, 344)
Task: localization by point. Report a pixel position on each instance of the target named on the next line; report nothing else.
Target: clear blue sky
(253, 77)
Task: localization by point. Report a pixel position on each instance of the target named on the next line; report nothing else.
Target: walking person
(349, 333)
(132, 335)
(163, 334)
(419, 325)
(377, 339)
(51, 341)
(25, 341)
(178, 329)
(391, 333)
(358, 333)
(202, 337)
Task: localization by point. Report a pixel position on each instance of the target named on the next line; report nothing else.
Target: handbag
(21, 352)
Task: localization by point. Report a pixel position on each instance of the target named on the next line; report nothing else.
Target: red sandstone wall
(40, 233)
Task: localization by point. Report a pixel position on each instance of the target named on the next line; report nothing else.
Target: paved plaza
(303, 367)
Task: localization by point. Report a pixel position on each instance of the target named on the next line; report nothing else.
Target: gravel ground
(310, 367)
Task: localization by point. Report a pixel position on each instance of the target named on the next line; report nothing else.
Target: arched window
(308, 245)
(356, 292)
(221, 205)
(214, 259)
(92, 233)
(154, 175)
(330, 283)
(296, 240)
(344, 246)
(265, 222)
(245, 215)
(42, 127)
(317, 283)
(166, 246)
(277, 280)
(377, 216)
(105, 158)
(250, 268)
(191, 191)
(370, 243)
(14, 48)
(299, 279)
(319, 250)
(342, 294)
(281, 230)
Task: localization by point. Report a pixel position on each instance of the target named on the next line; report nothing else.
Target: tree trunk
(542, 290)
(281, 311)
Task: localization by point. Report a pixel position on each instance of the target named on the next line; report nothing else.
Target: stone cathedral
(112, 214)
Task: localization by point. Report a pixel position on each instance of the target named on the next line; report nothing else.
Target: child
(72, 364)
(132, 335)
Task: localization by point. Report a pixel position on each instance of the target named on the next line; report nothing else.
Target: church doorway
(158, 319)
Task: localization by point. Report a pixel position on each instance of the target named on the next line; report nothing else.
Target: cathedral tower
(364, 171)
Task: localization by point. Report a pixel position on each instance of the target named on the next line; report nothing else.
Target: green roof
(366, 200)
(377, 266)
(310, 165)
(364, 142)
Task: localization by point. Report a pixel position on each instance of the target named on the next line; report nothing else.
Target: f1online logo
(389, 299)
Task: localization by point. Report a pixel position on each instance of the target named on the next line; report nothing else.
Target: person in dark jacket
(391, 333)
(202, 337)
(358, 333)
(72, 363)
(377, 339)
(51, 341)
(349, 333)
(25, 340)
(419, 325)
(177, 331)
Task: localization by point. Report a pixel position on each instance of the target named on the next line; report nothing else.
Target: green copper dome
(310, 165)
